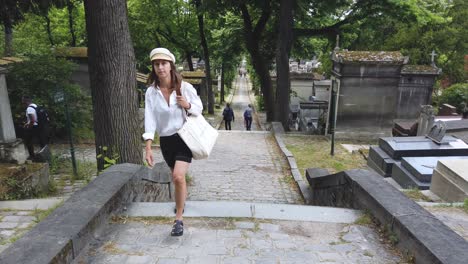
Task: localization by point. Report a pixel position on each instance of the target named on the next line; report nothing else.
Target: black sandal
(177, 228)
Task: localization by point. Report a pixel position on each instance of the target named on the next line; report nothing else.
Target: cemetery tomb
(450, 180)
(398, 147)
(447, 110)
(380, 161)
(367, 87)
(415, 89)
(416, 172)
(392, 149)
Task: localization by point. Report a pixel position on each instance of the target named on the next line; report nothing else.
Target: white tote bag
(199, 136)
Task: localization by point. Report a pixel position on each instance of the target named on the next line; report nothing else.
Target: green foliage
(260, 103)
(455, 95)
(85, 169)
(465, 205)
(416, 195)
(162, 23)
(107, 157)
(42, 214)
(16, 182)
(30, 34)
(390, 234)
(42, 77)
(188, 179)
(365, 219)
(422, 26)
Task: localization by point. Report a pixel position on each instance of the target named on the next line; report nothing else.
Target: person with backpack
(36, 125)
(248, 117)
(228, 116)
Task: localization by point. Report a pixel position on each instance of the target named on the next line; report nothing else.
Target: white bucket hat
(162, 54)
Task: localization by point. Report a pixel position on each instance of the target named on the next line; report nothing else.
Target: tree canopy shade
(11, 12)
(164, 23)
(435, 25)
(112, 75)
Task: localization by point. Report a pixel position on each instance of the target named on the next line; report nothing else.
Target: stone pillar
(7, 129)
(11, 148)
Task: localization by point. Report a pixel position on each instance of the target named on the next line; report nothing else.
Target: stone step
(247, 210)
(31, 204)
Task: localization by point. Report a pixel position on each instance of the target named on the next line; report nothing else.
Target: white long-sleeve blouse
(167, 119)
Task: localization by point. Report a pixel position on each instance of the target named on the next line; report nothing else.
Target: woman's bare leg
(180, 186)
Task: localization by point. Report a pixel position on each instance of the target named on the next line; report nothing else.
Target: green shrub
(42, 77)
(455, 95)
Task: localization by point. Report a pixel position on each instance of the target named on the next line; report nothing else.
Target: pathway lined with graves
(246, 167)
(240, 101)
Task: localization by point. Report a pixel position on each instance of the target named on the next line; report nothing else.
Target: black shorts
(174, 148)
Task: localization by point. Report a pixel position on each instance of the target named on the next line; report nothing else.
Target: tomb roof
(369, 56)
(193, 74)
(421, 69)
(72, 52)
(141, 77)
(8, 60)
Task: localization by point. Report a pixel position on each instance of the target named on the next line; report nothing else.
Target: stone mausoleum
(373, 88)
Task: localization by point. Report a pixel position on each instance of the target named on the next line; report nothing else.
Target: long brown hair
(176, 78)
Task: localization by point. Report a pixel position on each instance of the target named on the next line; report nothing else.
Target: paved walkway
(240, 100)
(236, 241)
(244, 167)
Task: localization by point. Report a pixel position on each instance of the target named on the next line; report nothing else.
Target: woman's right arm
(150, 126)
(149, 153)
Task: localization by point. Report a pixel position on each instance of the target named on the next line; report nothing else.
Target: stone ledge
(66, 231)
(419, 232)
(278, 130)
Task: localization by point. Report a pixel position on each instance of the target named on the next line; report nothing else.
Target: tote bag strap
(185, 113)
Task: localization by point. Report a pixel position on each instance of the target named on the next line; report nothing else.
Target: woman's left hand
(183, 102)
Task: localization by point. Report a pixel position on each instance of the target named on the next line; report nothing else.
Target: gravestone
(425, 120)
(437, 132)
(392, 149)
(11, 148)
(416, 172)
(450, 180)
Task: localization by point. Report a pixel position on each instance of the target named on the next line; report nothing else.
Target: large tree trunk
(207, 57)
(8, 26)
(265, 81)
(113, 81)
(282, 61)
(71, 27)
(252, 40)
(222, 83)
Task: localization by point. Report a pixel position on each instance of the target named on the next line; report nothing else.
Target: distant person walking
(168, 99)
(248, 117)
(228, 116)
(33, 129)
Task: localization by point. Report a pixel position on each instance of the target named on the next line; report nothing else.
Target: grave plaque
(437, 132)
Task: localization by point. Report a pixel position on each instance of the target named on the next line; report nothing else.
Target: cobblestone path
(244, 166)
(239, 103)
(237, 241)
